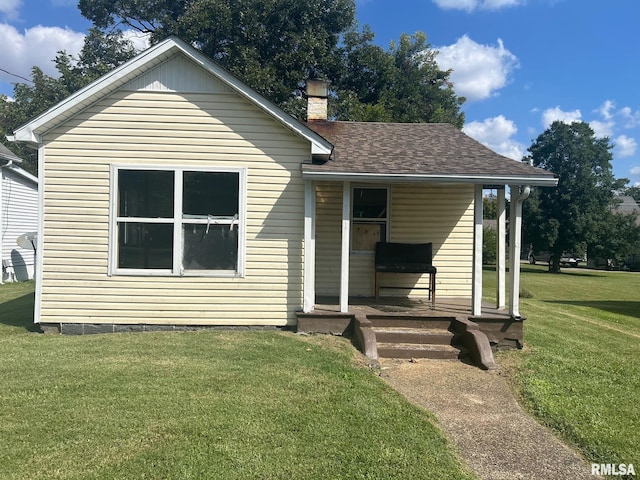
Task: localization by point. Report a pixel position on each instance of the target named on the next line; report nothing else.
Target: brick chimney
(317, 93)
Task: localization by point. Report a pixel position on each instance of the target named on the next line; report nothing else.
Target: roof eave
(420, 178)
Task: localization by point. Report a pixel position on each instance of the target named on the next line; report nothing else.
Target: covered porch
(465, 257)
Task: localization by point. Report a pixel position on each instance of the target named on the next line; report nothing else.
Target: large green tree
(577, 211)
(272, 45)
(401, 84)
(275, 45)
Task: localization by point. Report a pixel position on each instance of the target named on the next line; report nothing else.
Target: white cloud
(631, 118)
(10, 8)
(478, 70)
(37, 46)
(496, 133)
(602, 129)
(471, 5)
(550, 115)
(606, 109)
(635, 171)
(140, 41)
(625, 146)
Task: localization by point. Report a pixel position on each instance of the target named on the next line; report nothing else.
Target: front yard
(580, 370)
(202, 405)
(278, 405)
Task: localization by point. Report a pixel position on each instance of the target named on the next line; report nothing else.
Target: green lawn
(580, 370)
(202, 405)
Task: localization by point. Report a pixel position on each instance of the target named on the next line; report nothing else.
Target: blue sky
(520, 63)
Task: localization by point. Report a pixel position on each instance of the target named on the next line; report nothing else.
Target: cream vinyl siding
(147, 127)
(441, 214)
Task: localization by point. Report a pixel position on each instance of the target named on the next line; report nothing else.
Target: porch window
(369, 218)
(178, 221)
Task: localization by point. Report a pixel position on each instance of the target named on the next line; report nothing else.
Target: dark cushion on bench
(404, 257)
(406, 268)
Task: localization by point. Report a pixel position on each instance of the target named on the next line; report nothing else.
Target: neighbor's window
(179, 221)
(369, 218)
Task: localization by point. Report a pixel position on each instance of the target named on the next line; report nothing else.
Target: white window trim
(387, 218)
(177, 221)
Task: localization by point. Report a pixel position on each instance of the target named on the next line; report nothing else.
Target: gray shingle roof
(6, 155)
(415, 149)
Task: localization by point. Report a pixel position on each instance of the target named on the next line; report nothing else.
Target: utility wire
(15, 75)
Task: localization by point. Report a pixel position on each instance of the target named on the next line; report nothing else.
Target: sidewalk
(479, 414)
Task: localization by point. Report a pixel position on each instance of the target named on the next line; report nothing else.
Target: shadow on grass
(18, 312)
(620, 307)
(525, 268)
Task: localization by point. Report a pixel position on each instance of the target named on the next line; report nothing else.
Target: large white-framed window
(177, 221)
(369, 217)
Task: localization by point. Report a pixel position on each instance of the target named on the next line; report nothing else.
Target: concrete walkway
(478, 412)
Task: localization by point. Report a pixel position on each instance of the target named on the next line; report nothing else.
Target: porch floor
(445, 307)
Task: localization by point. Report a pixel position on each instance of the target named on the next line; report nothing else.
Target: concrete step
(412, 350)
(434, 336)
(409, 321)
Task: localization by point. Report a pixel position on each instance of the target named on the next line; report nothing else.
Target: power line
(15, 75)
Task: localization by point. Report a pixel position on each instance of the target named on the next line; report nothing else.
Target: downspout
(515, 248)
(524, 194)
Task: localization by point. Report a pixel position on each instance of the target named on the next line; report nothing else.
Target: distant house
(18, 215)
(628, 206)
(173, 194)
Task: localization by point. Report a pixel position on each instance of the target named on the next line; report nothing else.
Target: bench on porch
(405, 258)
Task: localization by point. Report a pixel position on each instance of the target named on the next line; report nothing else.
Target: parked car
(566, 258)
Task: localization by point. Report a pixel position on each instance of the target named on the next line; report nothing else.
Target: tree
(617, 238)
(275, 45)
(99, 55)
(490, 207)
(403, 84)
(561, 219)
(634, 192)
(272, 45)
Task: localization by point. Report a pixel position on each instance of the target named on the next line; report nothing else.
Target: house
(18, 215)
(175, 195)
(629, 206)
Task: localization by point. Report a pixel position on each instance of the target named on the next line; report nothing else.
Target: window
(178, 221)
(369, 218)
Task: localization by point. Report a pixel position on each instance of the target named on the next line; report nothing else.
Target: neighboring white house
(18, 215)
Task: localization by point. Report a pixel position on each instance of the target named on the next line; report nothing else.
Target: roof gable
(171, 76)
(158, 69)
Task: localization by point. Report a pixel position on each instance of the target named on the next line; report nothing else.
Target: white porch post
(476, 294)
(309, 288)
(515, 238)
(346, 234)
(501, 258)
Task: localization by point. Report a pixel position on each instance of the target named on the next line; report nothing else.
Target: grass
(198, 405)
(580, 370)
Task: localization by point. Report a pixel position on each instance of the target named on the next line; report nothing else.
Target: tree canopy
(275, 45)
(580, 210)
